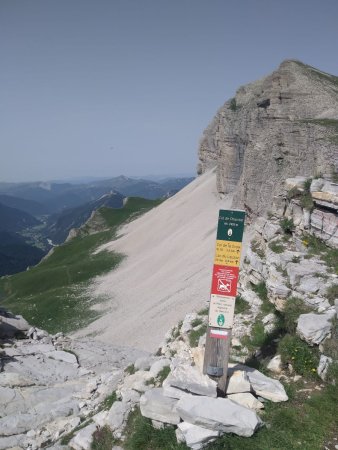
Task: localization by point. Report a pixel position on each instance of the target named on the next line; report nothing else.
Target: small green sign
(220, 320)
(230, 225)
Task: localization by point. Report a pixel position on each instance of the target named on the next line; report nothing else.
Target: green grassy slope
(53, 294)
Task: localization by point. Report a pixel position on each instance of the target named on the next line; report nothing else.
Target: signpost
(223, 295)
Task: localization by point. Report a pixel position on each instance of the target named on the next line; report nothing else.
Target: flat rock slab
(297, 272)
(13, 379)
(194, 436)
(188, 378)
(100, 357)
(218, 414)
(41, 369)
(246, 399)
(156, 406)
(262, 385)
(267, 387)
(171, 391)
(309, 285)
(60, 355)
(18, 441)
(313, 328)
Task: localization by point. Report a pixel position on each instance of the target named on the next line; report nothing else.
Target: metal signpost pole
(223, 295)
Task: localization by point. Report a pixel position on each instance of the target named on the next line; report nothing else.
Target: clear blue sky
(108, 87)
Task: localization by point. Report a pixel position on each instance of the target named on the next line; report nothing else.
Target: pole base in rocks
(216, 358)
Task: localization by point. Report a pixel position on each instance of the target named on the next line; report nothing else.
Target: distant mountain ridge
(60, 207)
(55, 197)
(29, 206)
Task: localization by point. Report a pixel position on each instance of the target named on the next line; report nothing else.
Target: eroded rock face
(273, 129)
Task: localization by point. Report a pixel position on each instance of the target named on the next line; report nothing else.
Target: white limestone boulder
(156, 406)
(194, 436)
(218, 414)
(171, 391)
(61, 355)
(266, 387)
(237, 382)
(275, 364)
(296, 272)
(190, 379)
(323, 366)
(314, 328)
(14, 379)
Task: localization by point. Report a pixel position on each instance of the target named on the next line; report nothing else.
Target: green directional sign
(230, 225)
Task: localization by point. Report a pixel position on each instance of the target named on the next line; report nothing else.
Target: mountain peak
(281, 126)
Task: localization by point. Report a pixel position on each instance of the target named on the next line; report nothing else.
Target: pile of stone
(189, 400)
(52, 385)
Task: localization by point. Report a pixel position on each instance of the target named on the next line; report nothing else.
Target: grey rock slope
(275, 128)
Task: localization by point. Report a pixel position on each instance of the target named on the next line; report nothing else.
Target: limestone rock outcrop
(279, 127)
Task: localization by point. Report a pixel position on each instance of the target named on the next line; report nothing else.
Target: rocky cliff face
(279, 127)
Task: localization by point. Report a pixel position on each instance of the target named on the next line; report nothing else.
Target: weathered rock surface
(11, 325)
(84, 438)
(323, 366)
(194, 436)
(314, 328)
(171, 391)
(188, 378)
(269, 132)
(237, 382)
(275, 364)
(156, 406)
(218, 414)
(45, 389)
(117, 415)
(264, 386)
(246, 399)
